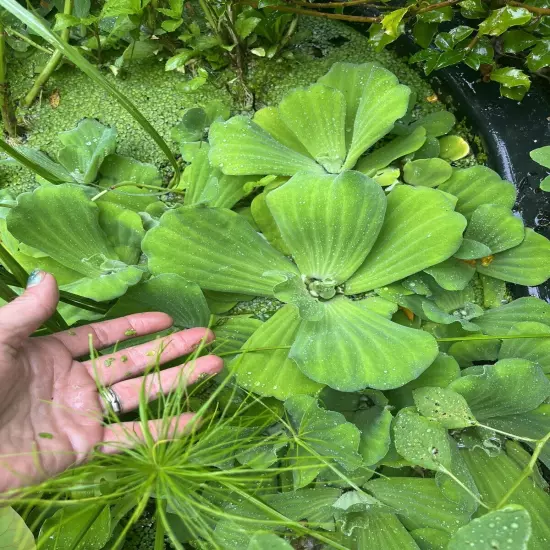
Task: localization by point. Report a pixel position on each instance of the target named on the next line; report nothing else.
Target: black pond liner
(508, 130)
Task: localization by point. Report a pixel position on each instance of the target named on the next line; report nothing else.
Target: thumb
(21, 317)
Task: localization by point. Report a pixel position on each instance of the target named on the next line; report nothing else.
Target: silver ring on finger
(112, 399)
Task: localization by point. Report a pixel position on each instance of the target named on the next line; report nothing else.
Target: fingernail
(35, 278)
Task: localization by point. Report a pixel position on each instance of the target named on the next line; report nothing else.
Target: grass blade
(73, 55)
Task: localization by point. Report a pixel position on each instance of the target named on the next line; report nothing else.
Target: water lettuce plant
(382, 388)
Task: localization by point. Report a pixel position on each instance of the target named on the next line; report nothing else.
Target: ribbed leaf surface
(527, 264)
(496, 227)
(62, 222)
(420, 503)
(239, 147)
(169, 293)
(271, 372)
(317, 116)
(217, 249)
(420, 230)
(380, 531)
(329, 223)
(209, 185)
(269, 118)
(352, 348)
(476, 186)
(501, 319)
(536, 350)
(383, 102)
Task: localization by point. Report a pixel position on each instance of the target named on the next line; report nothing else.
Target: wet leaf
(14, 533)
(445, 406)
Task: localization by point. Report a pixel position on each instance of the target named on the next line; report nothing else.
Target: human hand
(50, 406)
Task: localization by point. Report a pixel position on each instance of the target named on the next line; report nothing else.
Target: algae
(155, 92)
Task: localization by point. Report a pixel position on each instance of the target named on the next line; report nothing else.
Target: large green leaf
(494, 477)
(500, 320)
(217, 249)
(320, 130)
(419, 503)
(527, 264)
(329, 223)
(476, 186)
(63, 223)
(420, 230)
(169, 293)
(85, 148)
(272, 372)
(536, 350)
(496, 227)
(399, 147)
(370, 350)
(240, 147)
(14, 533)
(440, 374)
(374, 423)
(118, 169)
(325, 436)
(506, 529)
(510, 386)
(268, 541)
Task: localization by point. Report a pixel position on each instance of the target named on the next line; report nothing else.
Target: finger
(164, 382)
(107, 333)
(127, 435)
(21, 317)
(131, 362)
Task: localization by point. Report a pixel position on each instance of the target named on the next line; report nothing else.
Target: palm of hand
(51, 412)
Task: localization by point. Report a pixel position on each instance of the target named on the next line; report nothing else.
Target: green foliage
(372, 354)
(488, 37)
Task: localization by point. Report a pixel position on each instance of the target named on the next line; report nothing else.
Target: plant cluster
(505, 41)
(388, 393)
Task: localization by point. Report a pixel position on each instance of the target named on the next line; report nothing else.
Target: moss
(156, 93)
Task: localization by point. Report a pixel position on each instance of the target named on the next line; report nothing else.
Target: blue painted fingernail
(35, 278)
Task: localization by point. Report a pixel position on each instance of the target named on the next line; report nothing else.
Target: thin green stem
(464, 487)
(51, 65)
(8, 118)
(527, 471)
(486, 337)
(511, 436)
(28, 163)
(140, 185)
(26, 39)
